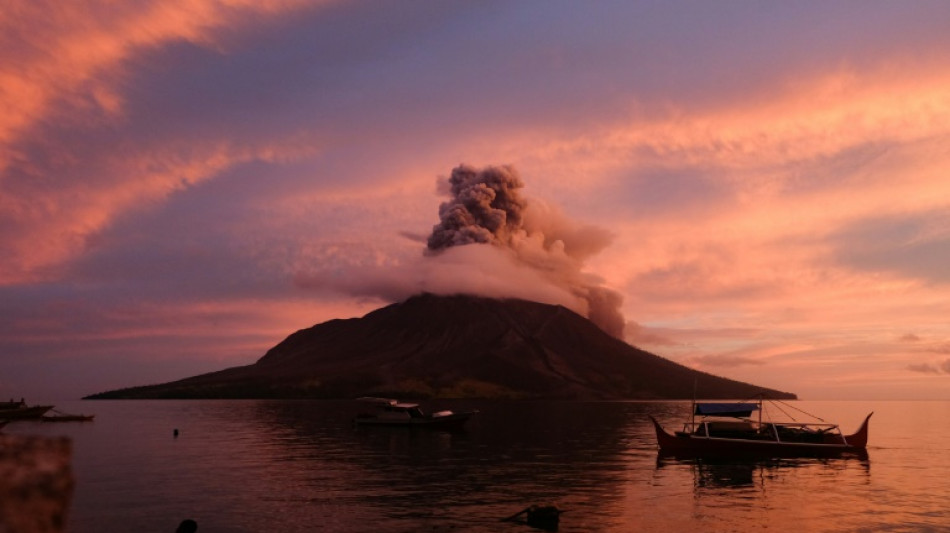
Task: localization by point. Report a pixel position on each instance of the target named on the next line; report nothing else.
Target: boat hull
(24, 413)
(684, 444)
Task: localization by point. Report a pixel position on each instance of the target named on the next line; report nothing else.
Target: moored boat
(391, 412)
(21, 411)
(728, 429)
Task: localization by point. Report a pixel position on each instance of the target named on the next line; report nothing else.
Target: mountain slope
(455, 346)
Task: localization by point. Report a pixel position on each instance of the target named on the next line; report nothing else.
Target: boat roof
(726, 409)
(373, 399)
(389, 401)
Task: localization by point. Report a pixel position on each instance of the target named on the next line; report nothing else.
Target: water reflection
(289, 465)
(726, 473)
(510, 456)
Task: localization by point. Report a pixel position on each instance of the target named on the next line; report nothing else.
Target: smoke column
(486, 208)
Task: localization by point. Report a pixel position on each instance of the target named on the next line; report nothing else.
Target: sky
(762, 185)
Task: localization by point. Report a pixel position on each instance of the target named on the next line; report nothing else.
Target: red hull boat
(728, 430)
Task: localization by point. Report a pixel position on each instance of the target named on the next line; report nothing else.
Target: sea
(289, 466)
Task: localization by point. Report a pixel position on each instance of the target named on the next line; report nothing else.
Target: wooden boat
(391, 412)
(21, 411)
(728, 429)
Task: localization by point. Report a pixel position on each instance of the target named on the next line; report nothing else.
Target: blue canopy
(726, 409)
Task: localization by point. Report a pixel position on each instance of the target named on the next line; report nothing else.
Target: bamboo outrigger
(66, 417)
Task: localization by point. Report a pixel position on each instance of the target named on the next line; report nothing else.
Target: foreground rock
(36, 483)
(455, 346)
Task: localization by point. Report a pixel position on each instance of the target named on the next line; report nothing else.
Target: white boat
(391, 412)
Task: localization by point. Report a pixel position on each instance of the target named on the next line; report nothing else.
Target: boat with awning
(717, 428)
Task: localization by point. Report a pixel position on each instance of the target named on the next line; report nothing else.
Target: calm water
(248, 466)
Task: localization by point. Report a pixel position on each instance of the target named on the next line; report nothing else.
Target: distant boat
(21, 411)
(391, 412)
(728, 429)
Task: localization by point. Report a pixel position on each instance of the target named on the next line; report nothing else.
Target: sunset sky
(185, 183)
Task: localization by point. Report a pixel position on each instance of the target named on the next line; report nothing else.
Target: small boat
(21, 411)
(391, 412)
(728, 429)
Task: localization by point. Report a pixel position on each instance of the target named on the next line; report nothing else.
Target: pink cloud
(939, 348)
(926, 368)
(724, 361)
(206, 152)
(65, 223)
(923, 368)
(62, 54)
(65, 66)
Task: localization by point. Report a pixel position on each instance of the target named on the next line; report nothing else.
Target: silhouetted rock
(36, 483)
(455, 346)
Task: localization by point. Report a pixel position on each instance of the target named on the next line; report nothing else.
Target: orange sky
(772, 177)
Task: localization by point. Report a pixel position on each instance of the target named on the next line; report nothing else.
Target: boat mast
(692, 410)
(760, 410)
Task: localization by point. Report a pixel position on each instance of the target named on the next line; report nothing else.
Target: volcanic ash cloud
(486, 210)
(491, 242)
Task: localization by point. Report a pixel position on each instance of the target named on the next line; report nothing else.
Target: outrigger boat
(728, 429)
(21, 411)
(395, 413)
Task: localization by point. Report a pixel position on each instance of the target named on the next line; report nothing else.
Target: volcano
(455, 347)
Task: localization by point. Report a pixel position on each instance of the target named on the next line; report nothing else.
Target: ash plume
(486, 208)
(492, 242)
